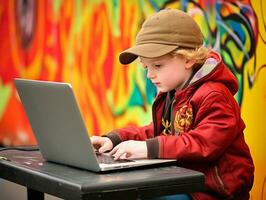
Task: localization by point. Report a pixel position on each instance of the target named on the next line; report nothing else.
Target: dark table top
(29, 169)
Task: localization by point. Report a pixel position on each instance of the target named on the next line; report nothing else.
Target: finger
(119, 153)
(104, 148)
(114, 150)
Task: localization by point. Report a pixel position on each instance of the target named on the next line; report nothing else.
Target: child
(195, 116)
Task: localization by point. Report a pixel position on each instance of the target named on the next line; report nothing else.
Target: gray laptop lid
(59, 129)
(57, 123)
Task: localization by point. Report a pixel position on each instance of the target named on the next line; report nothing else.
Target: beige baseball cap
(162, 33)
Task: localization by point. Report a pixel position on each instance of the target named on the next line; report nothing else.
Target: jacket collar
(213, 69)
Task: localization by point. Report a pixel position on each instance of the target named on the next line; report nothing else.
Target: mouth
(156, 84)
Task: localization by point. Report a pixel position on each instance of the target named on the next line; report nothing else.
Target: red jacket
(206, 132)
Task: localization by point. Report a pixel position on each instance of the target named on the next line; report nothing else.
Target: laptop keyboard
(105, 159)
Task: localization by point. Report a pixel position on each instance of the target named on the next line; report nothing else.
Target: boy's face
(168, 72)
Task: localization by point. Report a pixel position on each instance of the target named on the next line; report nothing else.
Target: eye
(157, 66)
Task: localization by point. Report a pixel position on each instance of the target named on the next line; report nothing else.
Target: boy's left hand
(130, 149)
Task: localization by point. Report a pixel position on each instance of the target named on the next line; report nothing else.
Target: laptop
(59, 129)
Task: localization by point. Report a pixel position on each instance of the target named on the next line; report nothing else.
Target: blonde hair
(199, 55)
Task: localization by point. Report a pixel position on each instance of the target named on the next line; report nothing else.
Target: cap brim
(145, 50)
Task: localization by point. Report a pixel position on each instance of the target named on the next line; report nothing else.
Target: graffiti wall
(79, 42)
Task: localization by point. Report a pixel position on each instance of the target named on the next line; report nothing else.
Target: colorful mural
(78, 41)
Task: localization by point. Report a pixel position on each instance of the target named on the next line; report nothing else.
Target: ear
(189, 64)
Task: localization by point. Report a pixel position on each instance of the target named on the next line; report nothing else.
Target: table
(32, 171)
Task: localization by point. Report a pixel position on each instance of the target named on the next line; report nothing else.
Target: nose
(150, 73)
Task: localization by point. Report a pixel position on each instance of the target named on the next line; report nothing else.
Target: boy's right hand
(102, 144)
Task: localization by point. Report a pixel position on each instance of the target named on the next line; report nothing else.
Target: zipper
(171, 111)
(219, 181)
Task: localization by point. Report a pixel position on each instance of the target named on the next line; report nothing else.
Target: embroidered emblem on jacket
(167, 126)
(183, 119)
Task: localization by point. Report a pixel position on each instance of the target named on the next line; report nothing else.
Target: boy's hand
(102, 144)
(130, 149)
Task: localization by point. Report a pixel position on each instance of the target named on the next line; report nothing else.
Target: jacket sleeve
(216, 126)
(131, 133)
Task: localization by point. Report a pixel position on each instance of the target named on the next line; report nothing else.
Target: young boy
(195, 116)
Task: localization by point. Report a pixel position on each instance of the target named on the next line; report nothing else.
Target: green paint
(56, 4)
(228, 60)
(117, 110)
(116, 17)
(136, 98)
(5, 92)
(78, 18)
